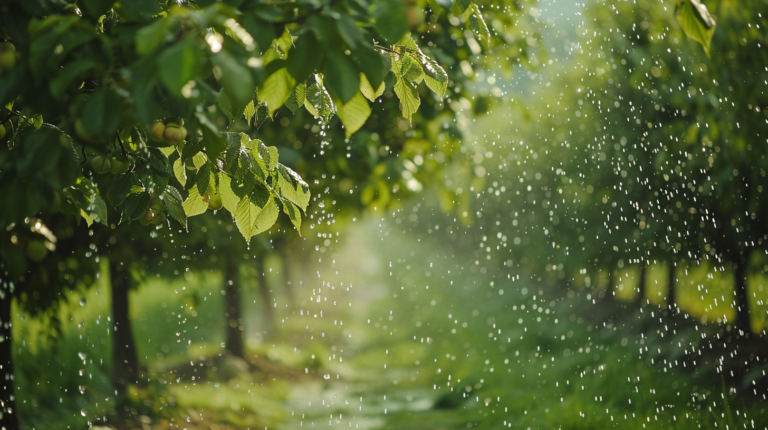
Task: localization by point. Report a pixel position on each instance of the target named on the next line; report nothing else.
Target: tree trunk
(125, 362)
(9, 419)
(743, 322)
(671, 287)
(641, 286)
(235, 328)
(266, 298)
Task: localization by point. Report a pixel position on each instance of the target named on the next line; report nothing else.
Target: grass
(395, 341)
(524, 354)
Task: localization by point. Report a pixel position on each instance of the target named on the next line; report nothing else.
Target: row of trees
(655, 155)
(156, 112)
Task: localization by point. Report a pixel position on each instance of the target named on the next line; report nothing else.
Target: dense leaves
(130, 84)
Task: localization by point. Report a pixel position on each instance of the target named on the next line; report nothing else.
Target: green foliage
(106, 77)
(409, 64)
(354, 113)
(696, 22)
(652, 159)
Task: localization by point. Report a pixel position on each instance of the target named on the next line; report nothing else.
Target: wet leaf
(409, 97)
(135, 207)
(354, 113)
(228, 197)
(368, 91)
(276, 89)
(194, 204)
(696, 22)
(173, 204)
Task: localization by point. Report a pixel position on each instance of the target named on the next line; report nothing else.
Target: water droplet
(82, 412)
(82, 302)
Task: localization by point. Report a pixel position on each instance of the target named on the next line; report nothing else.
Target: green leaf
(262, 113)
(410, 70)
(76, 196)
(342, 79)
(296, 99)
(391, 19)
(120, 188)
(293, 213)
(150, 180)
(248, 112)
(259, 194)
(284, 43)
(267, 217)
(136, 206)
(86, 217)
(99, 210)
(368, 91)
(194, 204)
(84, 195)
(245, 218)
(233, 151)
(300, 93)
(214, 143)
(269, 155)
(152, 36)
(304, 58)
(463, 4)
(234, 77)
(168, 150)
(409, 97)
(696, 22)
(349, 31)
(158, 161)
(318, 102)
(276, 89)
(199, 160)
(477, 24)
(204, 178)
(228, 197)
(178, 65)
(371, 63)
(228, 108)
(192, 149)
(292, 187)
(101, 112)
(262, 31)
(409, 44)
(180, 172)
(354, 113)
(173, 203)
(435, 76)
(244, 180)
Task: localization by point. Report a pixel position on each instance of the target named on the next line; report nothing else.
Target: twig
(383, 48)
(125, 153)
